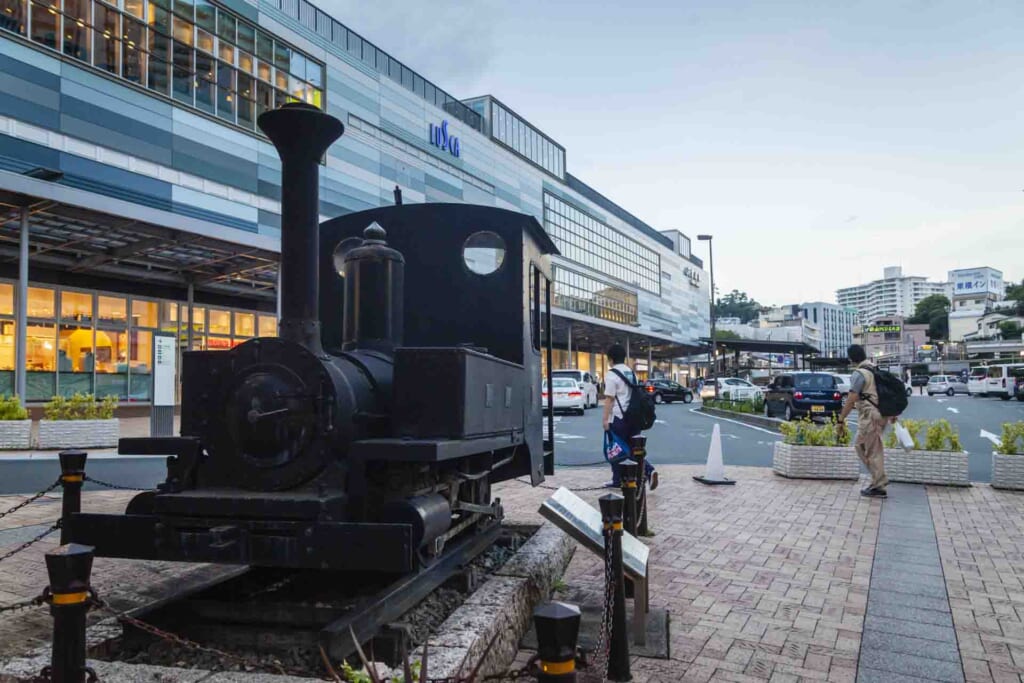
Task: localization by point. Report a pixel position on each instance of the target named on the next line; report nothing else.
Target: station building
(138, 197)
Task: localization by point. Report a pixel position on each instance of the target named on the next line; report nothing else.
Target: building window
(527, 141)
(582, 238)
(588, 295)
(197, 54)
(268, 326)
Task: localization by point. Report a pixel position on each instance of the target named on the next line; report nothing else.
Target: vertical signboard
(165, 356)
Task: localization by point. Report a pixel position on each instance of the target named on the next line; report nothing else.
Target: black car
(666, 391)
(919, 380)
(798, 394)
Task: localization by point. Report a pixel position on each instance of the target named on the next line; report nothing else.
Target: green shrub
(11, 409)
(1011, 442)
(752, 407)
(937, 436)
(807, 432)
(80, 407)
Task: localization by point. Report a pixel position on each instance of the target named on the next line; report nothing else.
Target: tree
(725, 335)
(927, 308)
(737, 304)
(1010, 329)
(1016, 293)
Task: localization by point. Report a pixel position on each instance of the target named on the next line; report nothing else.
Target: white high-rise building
(894, 294)
(836, 324)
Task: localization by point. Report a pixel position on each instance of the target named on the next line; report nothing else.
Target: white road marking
(571, 436)
(953, 410)
(941, 400)
(695, 411)
(990, 436)
(660, 422)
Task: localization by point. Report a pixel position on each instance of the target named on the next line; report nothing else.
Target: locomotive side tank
(406, 379)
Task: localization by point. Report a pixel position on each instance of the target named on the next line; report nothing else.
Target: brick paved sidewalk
(767, 580)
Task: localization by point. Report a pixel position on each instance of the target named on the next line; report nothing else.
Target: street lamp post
(714, 342)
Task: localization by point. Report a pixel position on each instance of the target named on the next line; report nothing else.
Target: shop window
(144, 313)
(6, 299)
(268, 326)
(245, 325)
(168, 316)
(40, 303)
(111, 363)
(140, 356)
(134, 7)
(41, 355)
(219, 321)
(6, 357)
(76, 360)
(113, 309)
(218, 343)
(75, 306)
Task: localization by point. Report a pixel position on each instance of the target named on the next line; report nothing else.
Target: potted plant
(81, 421)
(809, 450)
(938, 459)
(15, 425)
(1007, 463)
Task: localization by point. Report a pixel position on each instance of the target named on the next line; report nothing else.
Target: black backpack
(639, 414)
(892, 393)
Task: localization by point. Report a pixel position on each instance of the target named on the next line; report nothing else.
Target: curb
(746, 418)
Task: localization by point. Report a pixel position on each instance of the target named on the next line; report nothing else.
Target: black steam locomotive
(405, 381)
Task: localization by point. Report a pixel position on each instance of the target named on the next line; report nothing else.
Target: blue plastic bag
(615, 448)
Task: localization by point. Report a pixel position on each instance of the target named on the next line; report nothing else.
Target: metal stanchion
(628, 470)
(618, 654)
(558, 626)
(639, 448)
(72, 476)
(69, 567)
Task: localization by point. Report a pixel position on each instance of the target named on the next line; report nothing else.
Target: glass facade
(190, 50)
(588, 295)
(374, 58)
(584, 239)
(100, 343)
(527, 141)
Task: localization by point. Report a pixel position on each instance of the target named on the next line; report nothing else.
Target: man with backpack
(627, 410)
(879, 398)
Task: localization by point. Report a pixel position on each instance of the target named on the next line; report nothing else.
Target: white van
(1002, 380)
(977, 382)
(585, 381)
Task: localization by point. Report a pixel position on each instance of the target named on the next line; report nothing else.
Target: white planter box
(815, 462)
(1008, 471)
(948, 468)
(79, 433)
(15, 434)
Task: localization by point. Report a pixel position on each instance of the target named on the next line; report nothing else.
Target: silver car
(946, 384)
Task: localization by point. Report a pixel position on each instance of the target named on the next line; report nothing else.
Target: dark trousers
(621, 429)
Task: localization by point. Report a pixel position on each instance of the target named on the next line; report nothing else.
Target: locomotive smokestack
(301, 133)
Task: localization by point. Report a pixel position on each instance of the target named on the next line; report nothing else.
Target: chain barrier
(108, 485)
(555, 488)
(598, 667)
(53, 527)
(32, 499)
(25, 604)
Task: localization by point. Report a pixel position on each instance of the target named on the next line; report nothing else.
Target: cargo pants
(868, 444)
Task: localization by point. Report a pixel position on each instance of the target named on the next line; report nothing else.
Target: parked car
(919, 381)
(568, 395)
(738, 389)
(844, 383)
(977, 382)
(946, 384)
(584, 381)
(798, 394)
(666, 391)
(1020, 388)
(1002, 381)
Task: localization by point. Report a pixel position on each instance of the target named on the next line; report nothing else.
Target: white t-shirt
(617, 389)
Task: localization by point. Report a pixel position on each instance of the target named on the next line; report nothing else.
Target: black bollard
(69, 567)
(628, 470)
(618, 654)
(558, 626)
(639, 448)
(72, 476)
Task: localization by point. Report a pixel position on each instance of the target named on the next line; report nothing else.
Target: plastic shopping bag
(615, 448)
(903, 437)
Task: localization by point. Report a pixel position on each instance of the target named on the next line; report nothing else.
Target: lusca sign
(439, 137)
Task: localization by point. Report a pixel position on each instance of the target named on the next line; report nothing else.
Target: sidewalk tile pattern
(908, 628)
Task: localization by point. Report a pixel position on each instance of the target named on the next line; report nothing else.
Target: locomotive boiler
(405, 381)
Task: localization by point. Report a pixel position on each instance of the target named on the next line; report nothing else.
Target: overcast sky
(818, 142)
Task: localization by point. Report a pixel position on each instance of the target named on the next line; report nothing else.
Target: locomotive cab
(405, 381)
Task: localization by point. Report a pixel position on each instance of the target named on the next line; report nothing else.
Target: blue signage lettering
(439, 137)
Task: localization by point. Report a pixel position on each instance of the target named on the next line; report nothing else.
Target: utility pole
(714, 342)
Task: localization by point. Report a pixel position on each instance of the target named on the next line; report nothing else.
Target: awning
(763, 346)
(591, 336)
